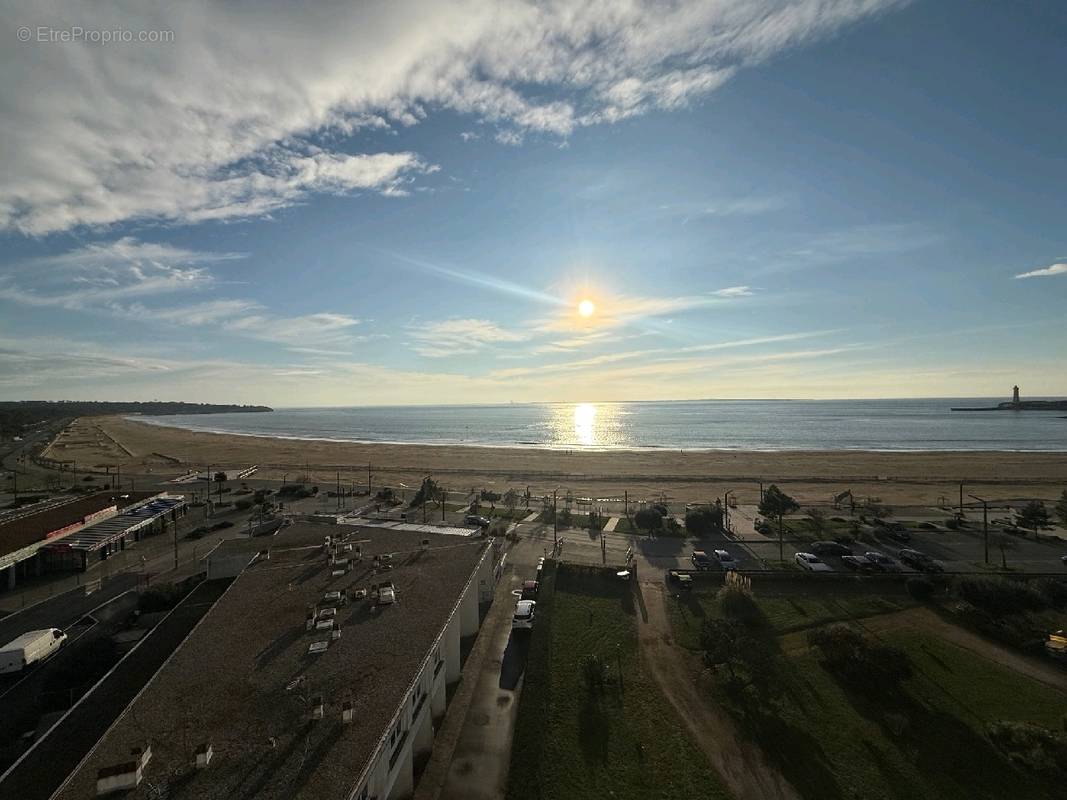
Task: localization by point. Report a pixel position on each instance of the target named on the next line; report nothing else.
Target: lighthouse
(1015, 396)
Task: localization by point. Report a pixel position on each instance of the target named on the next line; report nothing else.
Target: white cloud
(102, 273)
(121, 278)
(452, 337)
(734, 291)
(228, 120)
(1055, 269)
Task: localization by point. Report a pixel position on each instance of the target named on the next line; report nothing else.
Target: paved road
(65, 609)
(47, 765)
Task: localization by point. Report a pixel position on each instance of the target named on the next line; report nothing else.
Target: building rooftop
(99, 533)
(244, 680)
(24, 531)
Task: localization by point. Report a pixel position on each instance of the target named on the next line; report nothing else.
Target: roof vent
(318, 708)
(348, 712)
(203, 756)
(125, 776)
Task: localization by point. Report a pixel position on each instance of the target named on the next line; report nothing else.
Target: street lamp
(726, 508)
(985, 522)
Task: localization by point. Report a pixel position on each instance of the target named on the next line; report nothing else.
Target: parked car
(529, 589)
(882, 562)
(897, 534)
(474, 519)
(919, 561)
(811, 562)
(726, 561)
(830, 549)
(858, 563)
(700, 560)
(524, 615)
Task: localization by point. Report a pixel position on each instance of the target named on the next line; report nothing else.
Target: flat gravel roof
(244, 679)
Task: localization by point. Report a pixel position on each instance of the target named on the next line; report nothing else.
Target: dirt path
(740, 763)
(926, 620)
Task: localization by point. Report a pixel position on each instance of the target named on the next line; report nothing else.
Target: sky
(405, 202)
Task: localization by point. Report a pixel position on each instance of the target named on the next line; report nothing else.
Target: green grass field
(783, 614)
(834, 740)
(625, 744)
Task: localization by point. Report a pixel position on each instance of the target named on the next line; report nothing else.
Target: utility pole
(368, 479)
(555, 521)
(985, 524)
(761, 491)
(726, 509)
(175, 542)
(961, 499)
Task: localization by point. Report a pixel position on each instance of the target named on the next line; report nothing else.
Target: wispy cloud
(1054, 269)
(218, 126)
(662, 355)
(124, 277)
(102, 273)
(478, 279)
(453, 337)
(734, 291)
(860, 242)
(616, 311)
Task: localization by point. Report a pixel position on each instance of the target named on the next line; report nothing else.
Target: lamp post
(985, 523)
(726, 508)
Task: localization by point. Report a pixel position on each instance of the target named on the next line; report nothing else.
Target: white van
(30, 648)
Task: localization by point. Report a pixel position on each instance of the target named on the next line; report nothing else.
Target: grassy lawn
(619, 744)
(844, 740)
(842, 744)
(783, 614)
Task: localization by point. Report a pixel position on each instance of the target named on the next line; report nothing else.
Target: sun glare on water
(586, 308)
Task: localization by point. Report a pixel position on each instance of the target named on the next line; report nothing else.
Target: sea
(768, 425)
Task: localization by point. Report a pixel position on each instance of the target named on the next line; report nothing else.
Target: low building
(80, 549)
(24, 535)
(323, 671)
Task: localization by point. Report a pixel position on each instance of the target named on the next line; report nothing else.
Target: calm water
(717, 424)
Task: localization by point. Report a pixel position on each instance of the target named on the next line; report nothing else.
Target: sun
(586, 308)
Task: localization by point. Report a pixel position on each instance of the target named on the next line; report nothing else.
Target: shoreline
(576, 447)
(161, 452)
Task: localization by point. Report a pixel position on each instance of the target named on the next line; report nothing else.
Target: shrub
(735, 599)
(703, 521)
(1054, 590)
(593, 673)
(854, 656)
(648, 519)
(920, 588)
(1031, 747)
(242, 504)
(159, 598)
(1000, 597)
(952, 524)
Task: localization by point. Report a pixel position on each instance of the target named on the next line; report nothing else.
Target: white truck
(29, 648)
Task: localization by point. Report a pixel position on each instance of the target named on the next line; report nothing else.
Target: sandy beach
(684, 476)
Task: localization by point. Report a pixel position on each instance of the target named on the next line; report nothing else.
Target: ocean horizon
(760, 425)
